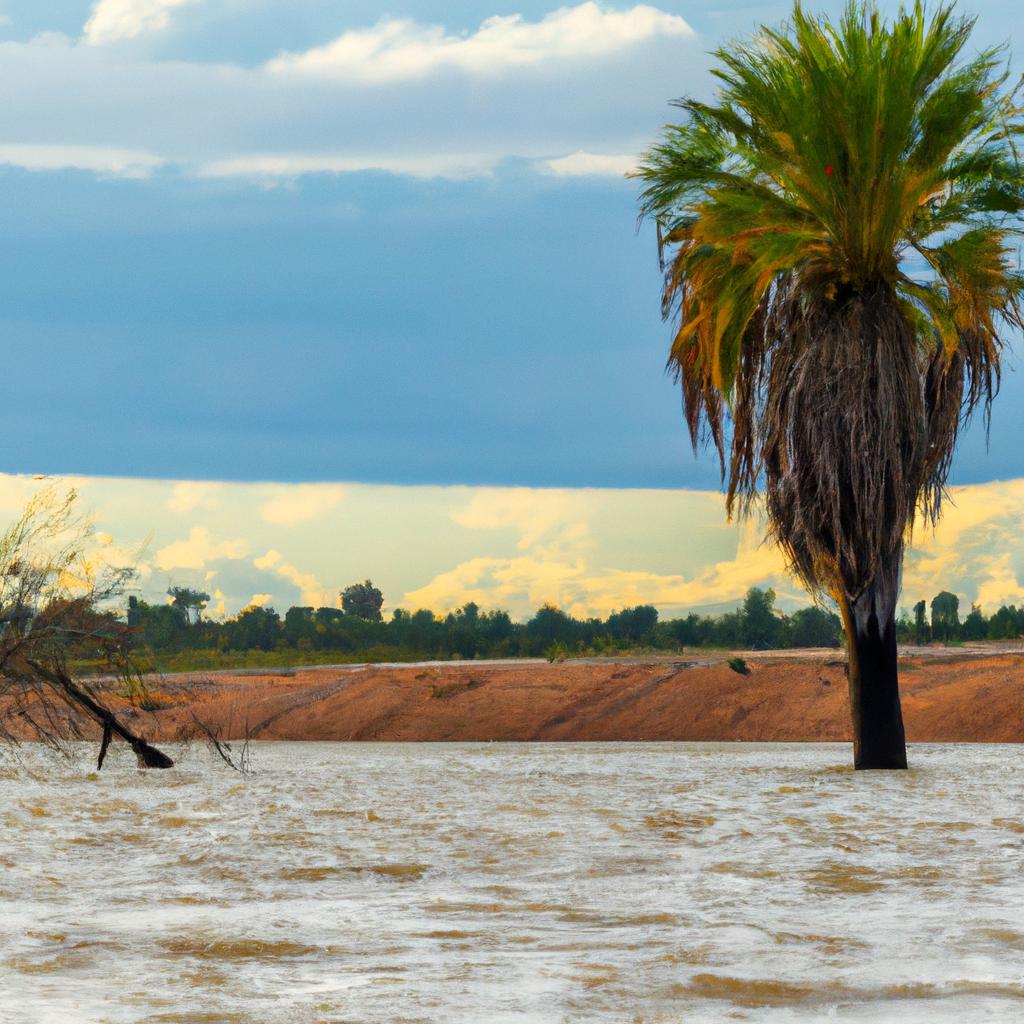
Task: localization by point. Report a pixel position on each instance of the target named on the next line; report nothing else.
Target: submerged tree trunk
(870, 621)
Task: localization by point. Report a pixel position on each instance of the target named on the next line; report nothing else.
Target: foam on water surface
(547, 883)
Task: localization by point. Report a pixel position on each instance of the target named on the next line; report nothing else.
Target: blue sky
(299, 241)
(250, 239)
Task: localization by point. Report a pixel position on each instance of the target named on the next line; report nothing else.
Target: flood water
(549, 883)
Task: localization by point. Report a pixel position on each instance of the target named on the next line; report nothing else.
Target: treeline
(358, 628)
(358, 631)
(944, 625)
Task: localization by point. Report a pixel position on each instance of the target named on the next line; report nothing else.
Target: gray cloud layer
(399, 95)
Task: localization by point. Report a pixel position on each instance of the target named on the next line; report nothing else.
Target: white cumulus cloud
(113, 20)
(272, 166)
(572, 92)
(584, 165)
(125, 163)
(398, 49)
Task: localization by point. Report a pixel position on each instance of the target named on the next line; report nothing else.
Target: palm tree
(837, 230)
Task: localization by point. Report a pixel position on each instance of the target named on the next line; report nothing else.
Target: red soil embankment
(950, 698)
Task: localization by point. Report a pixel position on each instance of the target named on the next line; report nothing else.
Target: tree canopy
(840, 228)
(363, 600)
(850, 182)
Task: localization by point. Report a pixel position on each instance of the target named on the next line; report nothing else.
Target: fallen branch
(148, 756)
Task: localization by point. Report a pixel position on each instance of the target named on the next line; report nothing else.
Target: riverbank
(949, 695)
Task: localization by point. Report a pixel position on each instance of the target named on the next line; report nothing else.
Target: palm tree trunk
(870, 621)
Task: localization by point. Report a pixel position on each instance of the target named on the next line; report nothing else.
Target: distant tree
(1005, 624)
(945, 616)
(496, 627)
(425, 632)
(299, 625)
(904, 628)
(253, 628)
(760, 625)
(725, 630)
(363, 600)
(633, 624)
(469, 613)
(922, 634)
(975, 626)
(188, 603)
(815, 627)
(549, 625)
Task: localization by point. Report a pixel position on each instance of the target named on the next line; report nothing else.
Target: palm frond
(825, 372)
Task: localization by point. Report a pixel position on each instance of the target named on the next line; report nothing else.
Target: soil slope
(954, 698)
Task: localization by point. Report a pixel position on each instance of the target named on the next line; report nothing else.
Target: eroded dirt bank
(954, 698)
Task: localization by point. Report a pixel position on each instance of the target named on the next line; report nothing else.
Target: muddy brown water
(547, 883)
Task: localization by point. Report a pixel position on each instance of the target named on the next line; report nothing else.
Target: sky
(388, 254)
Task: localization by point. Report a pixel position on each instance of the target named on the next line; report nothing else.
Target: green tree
(814, 627)
(785, 207)
(254, 628)
(945, 616)
(922, 631)
(299, 625)
(363, 600)
(633, 624)
(761, 625)
(1004, 624)
(975, 626)
(188, 603)
(548, 626)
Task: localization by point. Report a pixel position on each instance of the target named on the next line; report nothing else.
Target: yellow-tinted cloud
(198, 549)
(188, 495)
(568, 579)
(312, 592)
(586, 550)
(547, 519)
(975, 551)
(291, 504)
(272, 557)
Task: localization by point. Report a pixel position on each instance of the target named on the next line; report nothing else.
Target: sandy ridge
(957, 696)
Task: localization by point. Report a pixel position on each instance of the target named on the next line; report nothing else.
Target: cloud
(548, 520)
(582, 164)
(312, 592)
(268, 560)
(197, 549)
(400, 49)
(125, 163)
(259, 600)
(1000, 584)
(188, 495)
(114, 20)
(292, 165)
(292, 504)
(975, 550)
(557, 560)
(587, 550)
(566, 94)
